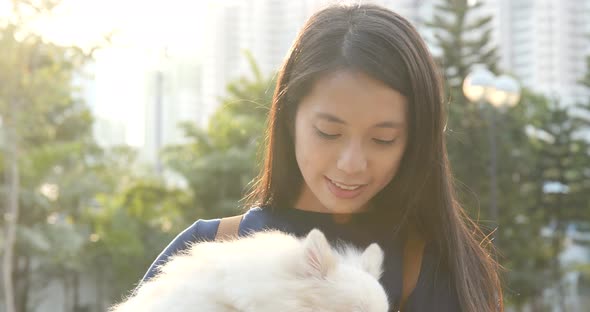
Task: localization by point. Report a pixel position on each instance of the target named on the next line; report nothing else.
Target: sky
(146, 24)
(141, 30)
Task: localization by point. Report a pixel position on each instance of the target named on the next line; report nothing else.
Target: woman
(356, 148)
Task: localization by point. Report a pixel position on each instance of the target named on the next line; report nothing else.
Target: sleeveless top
(435, 290)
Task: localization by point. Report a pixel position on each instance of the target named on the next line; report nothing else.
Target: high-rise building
(108, 130)
(172, 96)
(545, 43)
(265, 28)
(541, 42)
(221, 52)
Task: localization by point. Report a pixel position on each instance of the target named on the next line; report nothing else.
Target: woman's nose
(352, 159)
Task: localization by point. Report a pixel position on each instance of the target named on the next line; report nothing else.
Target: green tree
(219, 162)
(46, 132)
(564, 161)
(585, 81)
(129, 228)
(464, 40)
(584, 106)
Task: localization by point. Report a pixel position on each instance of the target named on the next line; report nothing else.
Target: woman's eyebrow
(384, 124)
(389, 124)
(330, 117)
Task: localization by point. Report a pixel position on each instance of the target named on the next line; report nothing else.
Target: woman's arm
(201, 230)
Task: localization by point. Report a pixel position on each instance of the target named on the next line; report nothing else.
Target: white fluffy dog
(266, 272)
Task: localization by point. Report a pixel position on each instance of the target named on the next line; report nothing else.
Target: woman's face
(350, 136)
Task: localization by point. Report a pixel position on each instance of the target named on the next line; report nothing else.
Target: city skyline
(198, 49)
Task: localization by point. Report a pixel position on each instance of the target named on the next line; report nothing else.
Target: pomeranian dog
(266, 272)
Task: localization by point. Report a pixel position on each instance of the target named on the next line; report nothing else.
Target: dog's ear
(372, 260)
(319, 257)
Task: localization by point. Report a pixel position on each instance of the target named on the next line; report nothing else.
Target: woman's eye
(384, 142)
(326, 135)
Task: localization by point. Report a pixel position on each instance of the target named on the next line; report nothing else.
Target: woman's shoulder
(200, 230)
(205, 230)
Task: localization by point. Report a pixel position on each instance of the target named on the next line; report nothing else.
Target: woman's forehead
(352, 94)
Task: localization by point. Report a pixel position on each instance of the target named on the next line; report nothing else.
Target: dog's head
(343, 280)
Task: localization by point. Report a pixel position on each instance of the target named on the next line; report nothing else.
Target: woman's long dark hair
(421, 196)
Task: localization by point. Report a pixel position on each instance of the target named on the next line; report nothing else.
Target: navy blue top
(434, 291)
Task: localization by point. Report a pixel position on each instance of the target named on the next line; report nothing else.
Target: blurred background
(123, 122)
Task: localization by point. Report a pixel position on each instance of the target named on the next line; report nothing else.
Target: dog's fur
(266, 272)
